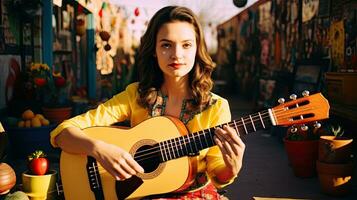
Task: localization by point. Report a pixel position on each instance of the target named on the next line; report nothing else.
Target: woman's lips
(176, 65)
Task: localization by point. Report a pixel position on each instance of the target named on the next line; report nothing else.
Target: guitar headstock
(308, 108)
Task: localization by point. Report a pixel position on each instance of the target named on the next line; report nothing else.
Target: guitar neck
(191, 144)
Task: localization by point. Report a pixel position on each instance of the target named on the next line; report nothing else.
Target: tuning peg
(293, 96)
(281, 100)
(317, 125)
(293, 129)
(305, 93)
(304, 127)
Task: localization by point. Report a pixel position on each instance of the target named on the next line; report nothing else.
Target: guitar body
(173, 175)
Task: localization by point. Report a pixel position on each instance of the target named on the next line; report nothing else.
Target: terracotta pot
(302, 157)
(335, 179)
(332, 150)
(80, 27)
(7, 178)
(57, 115)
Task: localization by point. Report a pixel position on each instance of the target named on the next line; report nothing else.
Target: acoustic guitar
(167, 152)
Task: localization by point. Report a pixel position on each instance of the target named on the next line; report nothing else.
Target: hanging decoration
(100, 13)
(136, 12)
(337, 39)
(309, 9)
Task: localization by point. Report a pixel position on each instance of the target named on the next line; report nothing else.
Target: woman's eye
(166, 45)
(187, 45)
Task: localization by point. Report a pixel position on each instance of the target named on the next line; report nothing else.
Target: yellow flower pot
(40, 187)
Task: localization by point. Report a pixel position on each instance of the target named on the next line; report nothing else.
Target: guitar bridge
(94, 178)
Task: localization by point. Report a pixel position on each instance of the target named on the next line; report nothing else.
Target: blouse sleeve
(114, 110)
(214, 156)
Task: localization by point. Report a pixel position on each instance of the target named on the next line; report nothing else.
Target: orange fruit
(28, 114)
(35, 122)
(28, 123)
(45, 122)
(39, 116)
(21, 124)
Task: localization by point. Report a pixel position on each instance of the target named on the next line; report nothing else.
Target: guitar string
(143, 158)
(186, 140)
(262, 115)
(166, 148)
(239, 123)
(256, 118)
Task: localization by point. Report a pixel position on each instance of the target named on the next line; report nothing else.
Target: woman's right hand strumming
(115, 160)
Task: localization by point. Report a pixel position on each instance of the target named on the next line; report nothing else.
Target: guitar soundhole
(148, 157)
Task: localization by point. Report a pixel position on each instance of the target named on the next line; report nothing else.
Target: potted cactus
(334, 147)
(301, 145)
(335, 166)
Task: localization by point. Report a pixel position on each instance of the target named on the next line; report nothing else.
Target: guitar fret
(162, 154)
(178, 145)
(245, 128)
(199, 139)
(173, 149)
(234, 121)
(252, 123)
(210, 136)
(193, 138)
(171, 152)
(167, 152)
(261, 119)
(204, 136)
(184, 143)
(189, 144)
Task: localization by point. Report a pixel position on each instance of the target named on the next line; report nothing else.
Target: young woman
(175, 71)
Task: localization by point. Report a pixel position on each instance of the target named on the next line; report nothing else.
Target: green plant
(18, 195)
(51, 88)
(337, 131)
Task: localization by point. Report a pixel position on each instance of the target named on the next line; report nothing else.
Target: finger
(112, 171)
(220, 145)
(235, 141)
(122, 173)
(230, 132)
(125, 166)
(226, 137)
(227, 146)
(133, 164)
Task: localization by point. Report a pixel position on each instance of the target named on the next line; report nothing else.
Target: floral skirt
(209, 192)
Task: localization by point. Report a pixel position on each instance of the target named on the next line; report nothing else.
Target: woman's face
(176, 49)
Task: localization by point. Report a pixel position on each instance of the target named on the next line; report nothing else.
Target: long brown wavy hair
(151, 77)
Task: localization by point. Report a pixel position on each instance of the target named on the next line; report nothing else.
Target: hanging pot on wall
(81, 25)
(104, 35)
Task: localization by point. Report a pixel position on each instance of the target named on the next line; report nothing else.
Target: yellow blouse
(124, 106)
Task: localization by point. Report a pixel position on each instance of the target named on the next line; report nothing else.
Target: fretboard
(191, 144)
